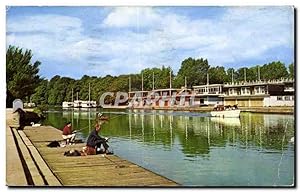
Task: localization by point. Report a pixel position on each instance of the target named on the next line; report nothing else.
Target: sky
(100, 41)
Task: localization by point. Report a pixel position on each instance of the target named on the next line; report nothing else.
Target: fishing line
(117, 164)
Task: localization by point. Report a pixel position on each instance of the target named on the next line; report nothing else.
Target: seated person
(94, 142)
(68, 135)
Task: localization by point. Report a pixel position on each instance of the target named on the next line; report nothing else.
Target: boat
(226, 111)
(88, 104)
(80, 103)
(67, 104)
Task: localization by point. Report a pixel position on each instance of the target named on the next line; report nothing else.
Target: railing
(282, 80)
(210, 92)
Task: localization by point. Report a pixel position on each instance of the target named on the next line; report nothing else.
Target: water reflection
(198, 134)
(251, 150)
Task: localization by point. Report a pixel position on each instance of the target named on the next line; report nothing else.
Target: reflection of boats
(226, 113)
(114, 107)
(227, 121)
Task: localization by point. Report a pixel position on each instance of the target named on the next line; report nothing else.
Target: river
(194, 149)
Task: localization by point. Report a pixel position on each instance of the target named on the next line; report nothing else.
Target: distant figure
(235, 106)
(216, 107)
(68, 135)
(100, 118)
(94, 142)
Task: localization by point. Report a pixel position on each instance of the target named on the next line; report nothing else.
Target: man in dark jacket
(94, 141)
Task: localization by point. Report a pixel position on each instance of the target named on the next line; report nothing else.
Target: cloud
(132, 17)
(129, 39)
(240, 33)
(49, 36)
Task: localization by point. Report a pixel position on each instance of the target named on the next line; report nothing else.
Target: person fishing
(68, 135)
(95, 141)
(100, 117)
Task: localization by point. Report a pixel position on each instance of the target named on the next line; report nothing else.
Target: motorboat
(226, 111)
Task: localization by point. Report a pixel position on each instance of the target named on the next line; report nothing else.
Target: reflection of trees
(268, 130)
(196, 135)
(195, 144)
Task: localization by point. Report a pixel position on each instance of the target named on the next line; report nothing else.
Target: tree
(195, 71)
(52, 92)
(274, 70)
(231, 75)
(241, 73)
(161, 77)
(217, 75)
(21, 75)
(41, 94)
(60, 90)
(291, 70)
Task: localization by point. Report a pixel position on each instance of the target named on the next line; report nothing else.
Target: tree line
(24, 82)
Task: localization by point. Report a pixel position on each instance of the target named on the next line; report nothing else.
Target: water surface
(194, 149)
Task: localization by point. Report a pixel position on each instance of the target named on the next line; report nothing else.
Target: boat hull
(229, 113)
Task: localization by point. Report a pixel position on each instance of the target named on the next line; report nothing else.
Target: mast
(142, 82)
(153, 81)
(207, 79)
(245, 78)
(232, 76)
(89, 93)
(258, 72)
(72, 96)
(129, 84)
(170, 82)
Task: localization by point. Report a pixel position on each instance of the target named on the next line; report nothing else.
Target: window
(279, 98)
(243, 91)
(248, 90)
(292, 98)
(287, 98)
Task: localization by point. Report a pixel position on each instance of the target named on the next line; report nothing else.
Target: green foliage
(291, 70)
(274, 70)
(21, 75)
(23, 80)
(161, 78)
(195, 71)
(231, 75)
(217, 75)
(41, 95)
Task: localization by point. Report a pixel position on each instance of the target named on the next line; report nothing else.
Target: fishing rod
(116, 116)
(117, 164)
(101, 123)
